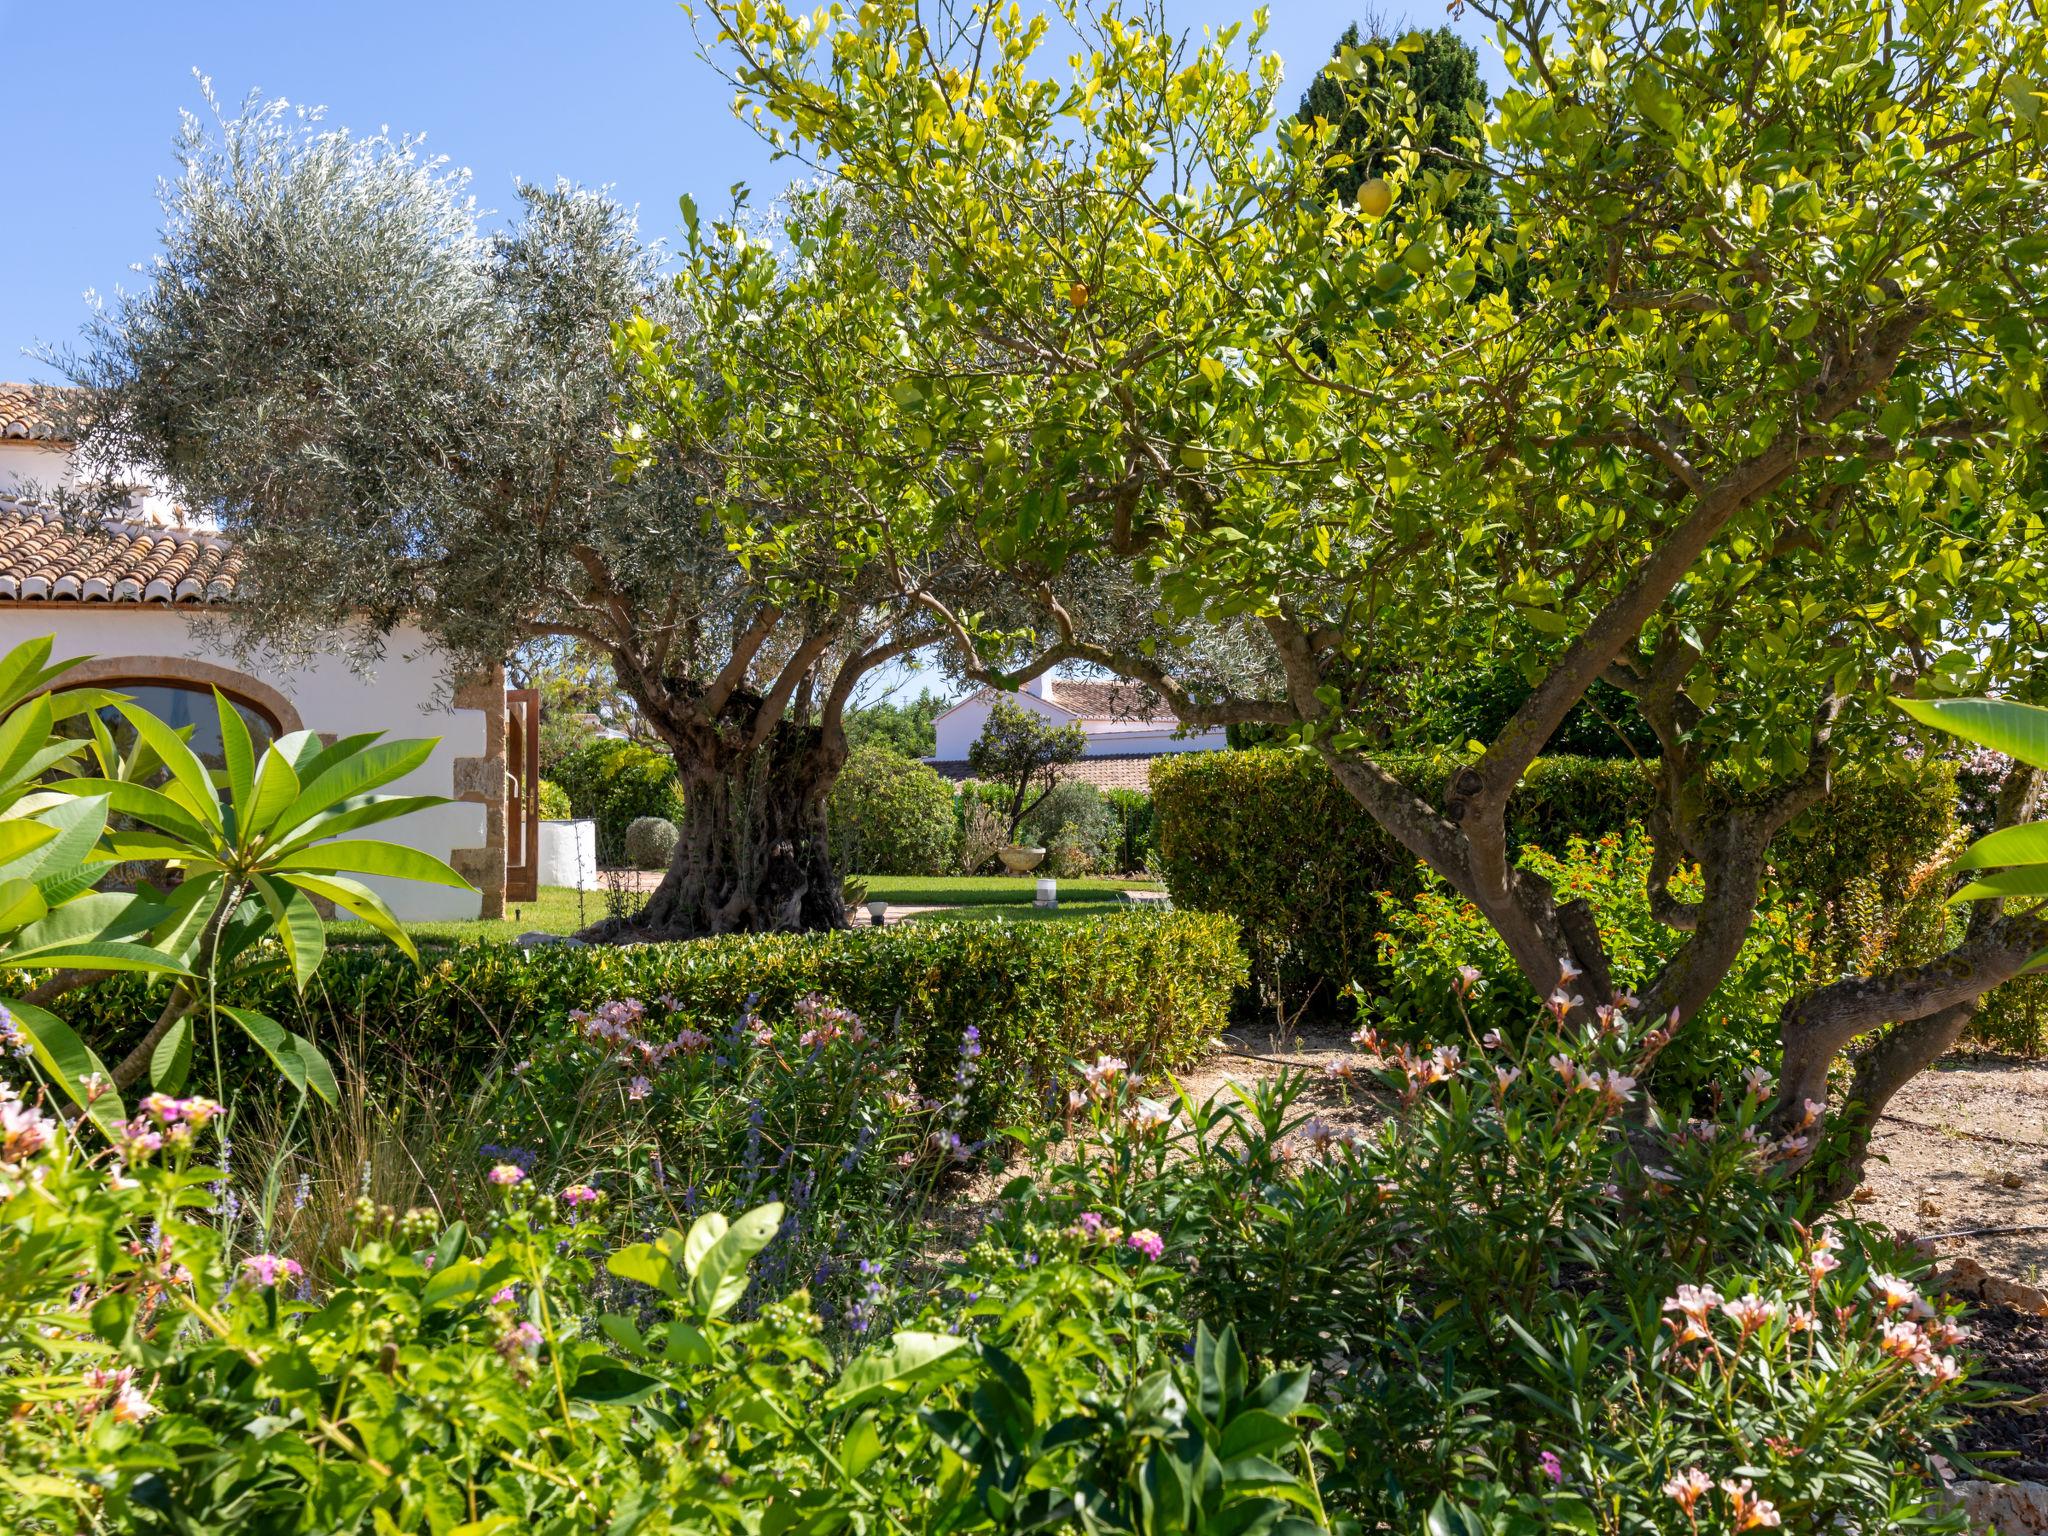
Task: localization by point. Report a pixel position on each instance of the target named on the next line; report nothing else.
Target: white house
(131, 599)
(1126, 728)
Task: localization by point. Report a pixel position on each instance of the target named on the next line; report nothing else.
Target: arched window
(179, 692)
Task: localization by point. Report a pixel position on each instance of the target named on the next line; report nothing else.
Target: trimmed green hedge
(1270, 837)
(1154, 988)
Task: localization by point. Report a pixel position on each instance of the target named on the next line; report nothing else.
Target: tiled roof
(45, 559)
(29, 412)
(1110, 770)
(1109, 701)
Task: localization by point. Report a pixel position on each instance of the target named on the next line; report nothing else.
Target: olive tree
(1737, 409)
(402, 417)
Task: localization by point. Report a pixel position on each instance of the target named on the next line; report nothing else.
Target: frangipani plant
(254, 852)
(2017, 855)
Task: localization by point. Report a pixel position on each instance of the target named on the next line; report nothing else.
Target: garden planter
(1020, 861)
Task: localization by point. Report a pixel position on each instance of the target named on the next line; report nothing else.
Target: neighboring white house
(130, 597)
(1126, 726)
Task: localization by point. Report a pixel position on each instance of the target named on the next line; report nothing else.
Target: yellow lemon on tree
(1077, 295)
(1375, 197)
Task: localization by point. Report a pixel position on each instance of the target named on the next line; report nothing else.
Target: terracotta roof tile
(1110, 770)
(45, 559)
(31, 412)
(1109, 701)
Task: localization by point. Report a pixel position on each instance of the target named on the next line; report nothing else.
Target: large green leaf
(295, 1056)
(277, 786)
(171, 1062)
(22, 735)
(184, 764)
(906, 1358)
(150, 805)
(358, 900)
(720, 1278)
(21, 903)
(361, 856)
(2023, 844)
(362, 811)
(22, 669)
(2031, 881)
(20, 836)
(2018, 730)
(356, 774)
(69, 1062)
(299, 927)
(238, 751)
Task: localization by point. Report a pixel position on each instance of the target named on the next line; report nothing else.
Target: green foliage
(1076, 826)
(1431, 939)
(906, 729)
(650, 842)
(554, 801)
(891, 816)
(1134, 817)
(529, 1375)
(1153, 987)
(1444, 75)
(1494, 1285)
(614, 782)
(1023, 752)
(1270, 837)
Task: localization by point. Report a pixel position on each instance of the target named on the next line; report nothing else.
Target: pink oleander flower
(1101, 1075)
(96, 1087)
(1148, 1117)
(1567, 973)
(1760, 1082)
(1894, 1292)
(1944, 1370)
(1366, 1039)
(1565, 1068)
(690, 1042)
(1147, 1242)
(1801, 1320)
(1467, 982)
(1688, 1488)
(1490, 1040)
(1560, 1003)
(1695, 1304)
(579, 1194)
(1748, 1511)
(130, 1406)
(1342, 1068)
(505, 1175)
(267, 1269)
(520, 1340)
(1907, 1342)
(1945, 1332)
(1749, 1313)
(638, 1089)
(1821, 1263)
(1505, 1078)
(24, 1131)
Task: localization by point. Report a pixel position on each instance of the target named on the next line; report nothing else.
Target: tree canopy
(1737, 408)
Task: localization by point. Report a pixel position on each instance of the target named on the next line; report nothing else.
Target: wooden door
(522, 794)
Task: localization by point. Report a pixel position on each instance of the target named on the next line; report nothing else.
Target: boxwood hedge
(1154, 988)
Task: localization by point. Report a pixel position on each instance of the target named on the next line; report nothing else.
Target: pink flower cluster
(579, 1195)
(267, 1269)
(505, 1175)
(24, 1130)
(164, 1122)
(115, 1391)
(823, 1022)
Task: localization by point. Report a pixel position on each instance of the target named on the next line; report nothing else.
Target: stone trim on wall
(481, 781)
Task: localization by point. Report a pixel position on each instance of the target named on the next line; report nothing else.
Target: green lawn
(557, 910)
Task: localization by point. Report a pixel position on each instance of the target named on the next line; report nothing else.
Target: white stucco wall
(399, 699)
(958, 729)
(23, 464)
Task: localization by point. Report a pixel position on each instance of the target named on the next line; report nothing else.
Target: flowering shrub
(1437, 944)
(1534, 1303)
(450, 1380)
(678, 1114)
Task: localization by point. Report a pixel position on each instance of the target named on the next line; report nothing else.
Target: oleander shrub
(1519, 1321)
(554, 801)
(1436, 944)
(650, 842)
(613, 782)
(1153, 987)
(891, 815)
(1270, 837)
(532, 1374)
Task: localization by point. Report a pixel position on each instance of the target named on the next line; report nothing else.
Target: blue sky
(607, 93)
